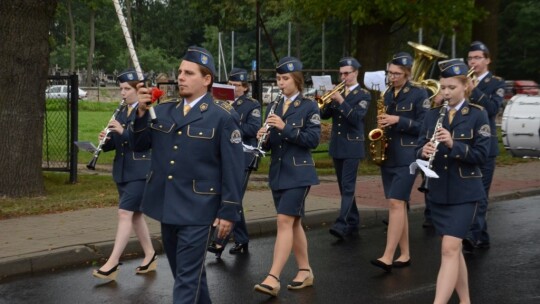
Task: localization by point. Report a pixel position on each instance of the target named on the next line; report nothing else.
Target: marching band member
(347, 142)
(488, 91)
(295, 130)
(406, 105)
(249, 111)
(129, 172)
(196, 181)
(463, 146)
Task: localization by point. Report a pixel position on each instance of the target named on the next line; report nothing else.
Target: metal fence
(60, 125)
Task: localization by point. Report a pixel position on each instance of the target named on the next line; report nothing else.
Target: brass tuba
(424, 56)
(327, 97)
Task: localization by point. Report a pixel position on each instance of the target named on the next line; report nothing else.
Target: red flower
(156, 94)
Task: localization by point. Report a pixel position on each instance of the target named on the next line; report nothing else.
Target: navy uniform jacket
(128, 165)
(410, 105)
(460, 178)
(197, 169)
(249, 111)
(347, 140)
(489, 94)
(292, 165)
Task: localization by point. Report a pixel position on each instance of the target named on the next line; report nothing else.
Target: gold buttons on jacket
(179, 132)
(172, 162)
(170, 177)
(175, 147)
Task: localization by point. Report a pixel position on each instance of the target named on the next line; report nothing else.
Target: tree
(24, 57)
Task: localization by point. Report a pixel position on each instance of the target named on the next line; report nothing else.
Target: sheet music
(85, 146)
(375, 80)
(424, 166)
(252, 149)
(322, 83)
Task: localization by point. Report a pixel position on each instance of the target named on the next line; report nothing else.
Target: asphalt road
(506, 273)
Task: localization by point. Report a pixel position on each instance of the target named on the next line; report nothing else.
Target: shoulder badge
(315, 119)
(465, 111)
(487, 79)
(363, 104)
(355, 92)
(426, 104)
(236, 137)
(485, 131)
(256, 113)
(406, 89)
(296, 103)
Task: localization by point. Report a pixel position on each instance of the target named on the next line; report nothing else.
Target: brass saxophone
(379, 142)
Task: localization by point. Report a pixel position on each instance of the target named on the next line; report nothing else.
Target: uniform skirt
(131, 194)
(397, 182)
(291, 201)
(453, 220)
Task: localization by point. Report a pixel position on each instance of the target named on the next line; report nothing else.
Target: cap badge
(349, 62)
(290, 66)
(204, 59)
(456, 70)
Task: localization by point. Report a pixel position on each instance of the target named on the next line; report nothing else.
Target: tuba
(424, 56)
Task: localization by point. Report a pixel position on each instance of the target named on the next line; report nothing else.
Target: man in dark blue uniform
(249, 111)
(488, 92)
(195, 180)
(347, 111)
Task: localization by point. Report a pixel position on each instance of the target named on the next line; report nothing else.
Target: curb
(86, 254)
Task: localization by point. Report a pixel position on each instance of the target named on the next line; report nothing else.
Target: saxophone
(379, 142)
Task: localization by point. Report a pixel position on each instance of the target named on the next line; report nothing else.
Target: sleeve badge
(500, 92)
(426, 104)
(315, 119)
(485, 131)
(363, 104)
(256, 113)
(236, 137)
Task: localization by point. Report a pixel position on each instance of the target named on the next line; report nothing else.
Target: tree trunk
(24, 58)
(90, 62)
(485, 29)
(72, 39)
(372, 43)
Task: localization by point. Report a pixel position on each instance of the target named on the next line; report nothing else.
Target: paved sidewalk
(39, 243)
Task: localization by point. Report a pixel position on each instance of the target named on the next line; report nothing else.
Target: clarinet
(442, 113)
(92, 164)
(273, 108)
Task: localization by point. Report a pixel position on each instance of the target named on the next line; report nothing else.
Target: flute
(92, 164)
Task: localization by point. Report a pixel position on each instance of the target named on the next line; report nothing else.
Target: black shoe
(427, 224)
(400, 264)
(482, 245)
(468, 246)
(387, 268)
(340, 235)
(213, 247)
(107, 275)
(239, 248)
(151, 266)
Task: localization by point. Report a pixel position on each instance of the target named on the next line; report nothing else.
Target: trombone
(326, 98)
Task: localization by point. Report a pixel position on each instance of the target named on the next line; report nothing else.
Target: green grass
(96, 191)
(91, 191)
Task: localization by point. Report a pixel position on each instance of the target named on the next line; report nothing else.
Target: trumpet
(472, 76)
(442, 113)
(273, 108)
(92, 164)
(326, 98)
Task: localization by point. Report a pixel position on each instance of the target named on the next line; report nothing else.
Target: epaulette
(476, 105)
(172, 100)
(365, 91)
(225, 105)
(252, 99)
